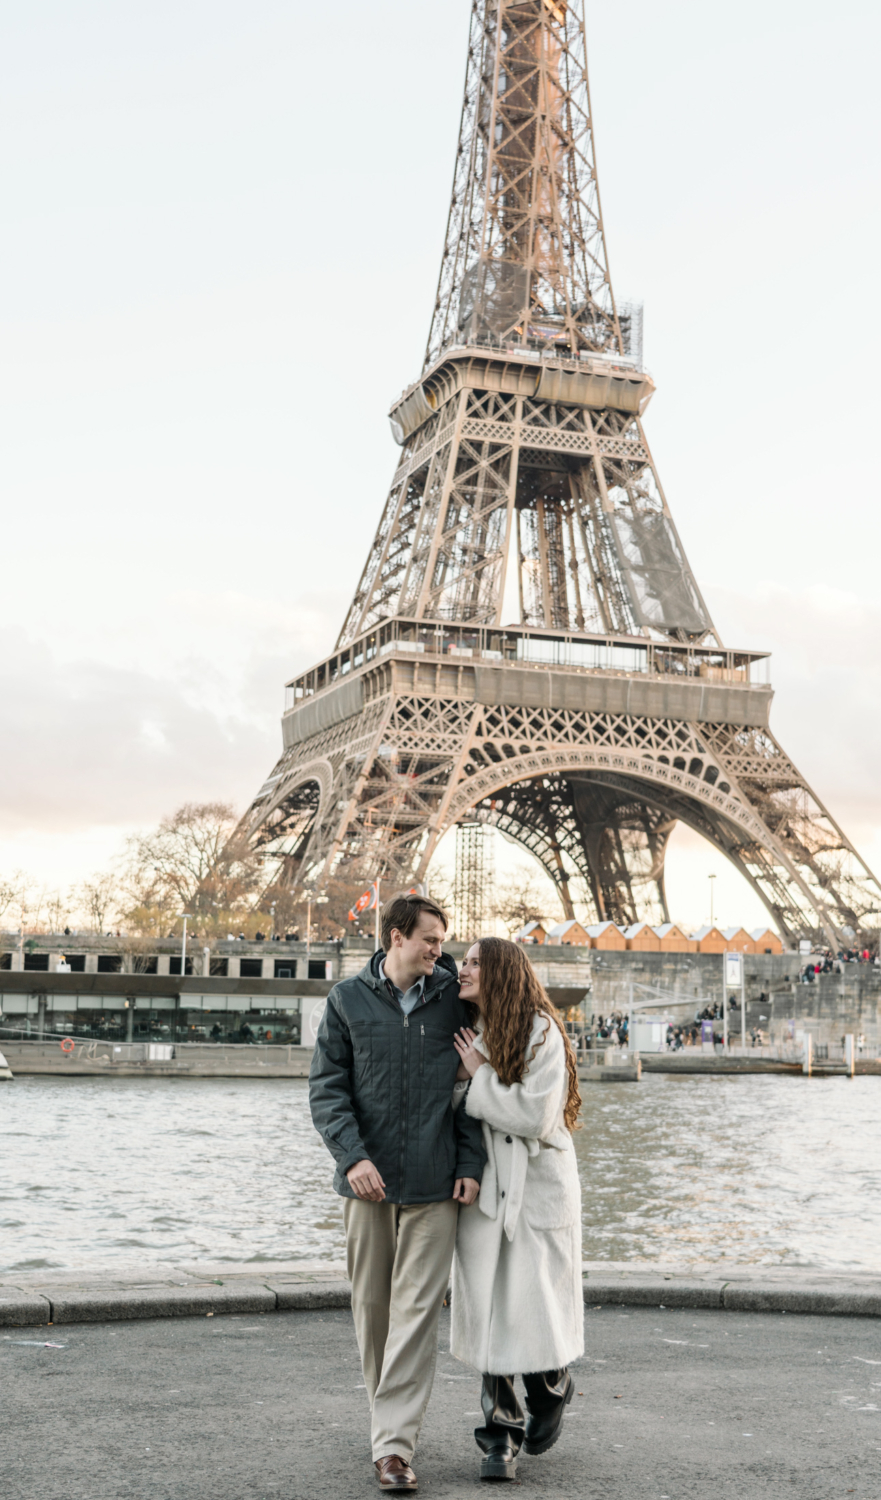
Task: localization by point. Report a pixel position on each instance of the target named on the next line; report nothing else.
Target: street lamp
(183, 950)
(319, 901)
(711, 878)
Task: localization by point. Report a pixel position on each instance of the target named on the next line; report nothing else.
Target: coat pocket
(552, 1194)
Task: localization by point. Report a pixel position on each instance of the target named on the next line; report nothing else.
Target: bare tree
(57, 910)
(523, 897)
(97, 897)
(16, 893)
(193, 862)
(330, 917)
(135, 949)
(31, 900)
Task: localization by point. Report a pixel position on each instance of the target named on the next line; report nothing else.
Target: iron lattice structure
(474, 883)
(611, 709)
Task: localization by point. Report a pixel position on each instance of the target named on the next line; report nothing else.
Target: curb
(837, 1302)
(160, 1302)
(843, 1300)
(314, 1296)
(651, 1291)
(19, 1310)
(104, 1305)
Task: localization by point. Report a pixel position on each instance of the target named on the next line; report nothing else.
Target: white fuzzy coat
(517, 1289)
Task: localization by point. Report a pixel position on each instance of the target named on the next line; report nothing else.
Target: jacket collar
(444, 972)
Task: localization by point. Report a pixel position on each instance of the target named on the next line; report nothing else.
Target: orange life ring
(68, 1044)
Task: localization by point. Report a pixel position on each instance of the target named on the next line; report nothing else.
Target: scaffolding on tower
(474, 880)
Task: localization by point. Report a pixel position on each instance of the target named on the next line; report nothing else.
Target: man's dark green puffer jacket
(381, 1086)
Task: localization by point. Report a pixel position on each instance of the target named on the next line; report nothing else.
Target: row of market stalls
(641, 938)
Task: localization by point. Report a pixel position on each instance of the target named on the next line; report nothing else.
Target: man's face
(422, 949)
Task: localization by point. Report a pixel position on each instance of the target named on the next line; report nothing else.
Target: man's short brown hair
(404, 912)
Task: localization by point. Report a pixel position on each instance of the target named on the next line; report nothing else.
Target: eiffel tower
(609, 709)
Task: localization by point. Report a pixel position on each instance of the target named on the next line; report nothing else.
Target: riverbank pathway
(672, 1404)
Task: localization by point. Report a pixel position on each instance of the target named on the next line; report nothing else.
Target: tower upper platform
(601, 381)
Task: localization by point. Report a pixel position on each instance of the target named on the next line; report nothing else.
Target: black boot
(547, 1397)
(500, 1438)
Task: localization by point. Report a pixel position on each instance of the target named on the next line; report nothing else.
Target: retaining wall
(833, 1005)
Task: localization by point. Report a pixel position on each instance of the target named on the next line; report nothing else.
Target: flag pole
(376, 919)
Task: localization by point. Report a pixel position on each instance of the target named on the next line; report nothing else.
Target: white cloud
(88, 743)
(826, 671)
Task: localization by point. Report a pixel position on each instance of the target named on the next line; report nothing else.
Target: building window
(5, 960)
(251, 968)
(174, 965)
(285, 968)
(109, 963)
(148, 965)
(316, 968)
(77, 962)
(219, 968)
(37, 962)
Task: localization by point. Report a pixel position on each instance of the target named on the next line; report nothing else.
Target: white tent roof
(528, 930)
(560, 929)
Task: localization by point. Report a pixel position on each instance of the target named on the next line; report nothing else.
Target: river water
(763, 1169)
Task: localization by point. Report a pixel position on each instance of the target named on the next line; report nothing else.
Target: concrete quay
(108, 1059)
(199, 1289)
(691, 1061)
(679, 1404)
(95, 1059)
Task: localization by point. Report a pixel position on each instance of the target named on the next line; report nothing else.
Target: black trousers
(502, 1413)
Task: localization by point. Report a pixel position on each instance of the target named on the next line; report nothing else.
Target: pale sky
(222, 230)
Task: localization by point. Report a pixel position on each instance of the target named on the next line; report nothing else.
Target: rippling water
(759, 1169)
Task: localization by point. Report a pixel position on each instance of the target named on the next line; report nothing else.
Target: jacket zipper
(421, 1051)
(405, 1090)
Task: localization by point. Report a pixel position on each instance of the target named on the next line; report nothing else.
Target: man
(380, 1089)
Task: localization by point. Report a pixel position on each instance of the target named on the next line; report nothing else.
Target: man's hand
(465, 1191)
(366, 1183)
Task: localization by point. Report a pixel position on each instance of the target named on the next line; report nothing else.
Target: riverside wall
(833, 1005)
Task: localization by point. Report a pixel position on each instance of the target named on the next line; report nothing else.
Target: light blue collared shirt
(408, 999)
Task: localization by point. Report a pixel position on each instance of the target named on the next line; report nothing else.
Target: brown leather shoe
(394, 1474)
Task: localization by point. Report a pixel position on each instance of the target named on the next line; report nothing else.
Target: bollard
(850, 1055)
(808, 1055)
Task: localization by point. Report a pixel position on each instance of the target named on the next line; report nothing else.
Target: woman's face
(469, 977)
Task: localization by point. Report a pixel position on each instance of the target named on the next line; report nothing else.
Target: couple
(453, 1147)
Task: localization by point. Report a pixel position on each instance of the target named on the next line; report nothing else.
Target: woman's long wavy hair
(512, 996)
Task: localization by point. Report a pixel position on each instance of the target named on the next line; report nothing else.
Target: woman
(517, 1290)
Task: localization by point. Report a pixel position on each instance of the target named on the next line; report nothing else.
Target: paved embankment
(693, 1062)
(97, 1059)
(672, 1405)
(197, 1289)
(94, 1059)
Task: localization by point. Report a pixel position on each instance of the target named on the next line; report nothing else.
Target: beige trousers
(399, 1259)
